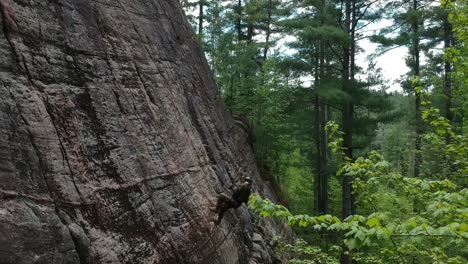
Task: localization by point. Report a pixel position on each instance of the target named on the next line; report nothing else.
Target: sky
(392, 63)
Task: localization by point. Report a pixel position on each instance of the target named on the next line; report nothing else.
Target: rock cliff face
(113, 141)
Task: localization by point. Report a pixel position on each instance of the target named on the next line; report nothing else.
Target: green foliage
(296, 169)
(401, 219)
(304, 253)
(436, 231)
(458, 55)
(451, 147)
(335, 136)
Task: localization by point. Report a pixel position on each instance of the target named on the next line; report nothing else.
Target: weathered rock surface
(113, 141)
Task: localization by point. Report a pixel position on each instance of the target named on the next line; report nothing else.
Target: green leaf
(371, 222)
(360, 235)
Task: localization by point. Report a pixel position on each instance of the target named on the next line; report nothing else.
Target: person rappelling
(224, 202)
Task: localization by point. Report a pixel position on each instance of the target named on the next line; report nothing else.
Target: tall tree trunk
(318, 169)
(267, 41)
(322, 147)
(263, 77)
(323, 208)
(318, 164)
(200, 17)
(347, 112)
(329, 117)
(448, 35)
(232, 99)
(323, 203)
(239, 20)
(347, 124)
(352, 72)
(417, 73)
(268, 31)
(250, 32)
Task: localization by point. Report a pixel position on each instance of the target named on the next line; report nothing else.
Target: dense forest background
(384, 174)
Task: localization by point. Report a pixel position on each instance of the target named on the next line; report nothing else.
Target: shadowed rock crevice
(113, 142)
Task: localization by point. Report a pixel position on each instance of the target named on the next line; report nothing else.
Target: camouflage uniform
(239, 196)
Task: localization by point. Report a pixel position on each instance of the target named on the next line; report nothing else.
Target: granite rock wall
(113, 141)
